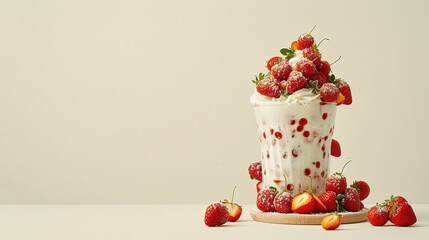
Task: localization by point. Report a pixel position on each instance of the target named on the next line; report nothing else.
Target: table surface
(180, 221)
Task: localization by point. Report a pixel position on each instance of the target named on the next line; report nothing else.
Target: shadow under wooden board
(305, 219)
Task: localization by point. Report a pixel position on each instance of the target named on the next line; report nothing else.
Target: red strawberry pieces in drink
(402, 214)
(335, 148)
(351, 201)
(329, 92)
(283, 202)
(345, 90)
(281, 70)
(329, 199)
(268, 87)
(331, 222)
(305, 66)
(273, 61)
(296, 81)
(305, 41)
(303, 203)
(363, 189)
(216, 215)
(378, 215)
(255, 171)
(265, 200)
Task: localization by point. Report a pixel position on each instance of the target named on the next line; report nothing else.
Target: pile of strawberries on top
(285, 77)
(337, 197)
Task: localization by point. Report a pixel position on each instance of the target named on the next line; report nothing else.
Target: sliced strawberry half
(303, 203)
(318, 205)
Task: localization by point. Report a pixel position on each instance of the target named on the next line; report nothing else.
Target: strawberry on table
(283, 202)
(378, 215)
(216, 215)
(234, 210)
(265, 200)
(331, 222)
(351, 200)
(319, 206)
(393, 201)
(362, 187)
(303, 203)
(337, 182)
(329, 199)
(402, 214)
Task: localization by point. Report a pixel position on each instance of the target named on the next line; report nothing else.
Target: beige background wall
(148, 101)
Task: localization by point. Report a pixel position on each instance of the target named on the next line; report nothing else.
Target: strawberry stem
(336, 60)
(322, 41)
(232, 198)
(312, 30)
(341, 173)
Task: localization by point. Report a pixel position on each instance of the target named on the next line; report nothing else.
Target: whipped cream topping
(301, 96)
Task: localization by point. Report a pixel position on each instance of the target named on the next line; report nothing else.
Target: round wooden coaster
(305, 219)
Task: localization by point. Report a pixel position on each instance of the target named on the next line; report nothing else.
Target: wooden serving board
(305, 219)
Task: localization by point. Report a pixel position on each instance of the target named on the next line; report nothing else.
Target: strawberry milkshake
(295, 106)
(295, 138)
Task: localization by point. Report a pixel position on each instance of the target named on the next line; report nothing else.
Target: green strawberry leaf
(288, 53)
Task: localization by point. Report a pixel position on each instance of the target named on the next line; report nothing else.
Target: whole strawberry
(268, 87)
(281, 70)
(312, 54)
(378, 215)
(304, 41)
(403, 215)
(216, 215)
(351, 200)
(363, 189)
(329, 92)
(273, 61)
(329, 198)
(305, 66)
(296, 81)
(394, 200)
(324, 67)
(283, 202)
(265, 200)
(320, 78)
(255, 171)
(337, 182)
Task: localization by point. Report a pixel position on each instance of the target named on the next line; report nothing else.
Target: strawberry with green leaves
(402, 214)
(268, 87)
